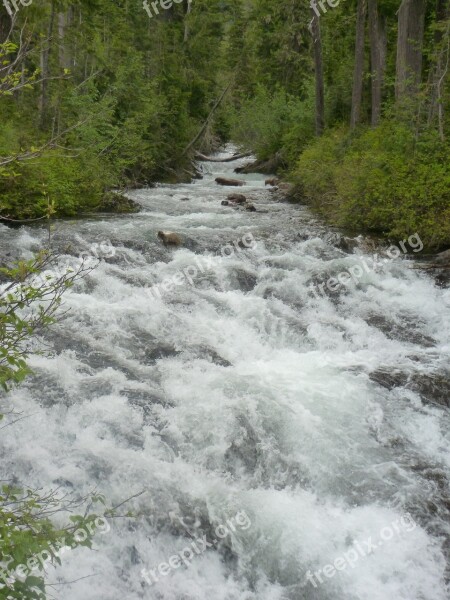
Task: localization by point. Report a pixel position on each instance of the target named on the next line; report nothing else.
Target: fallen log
(232, 182)
(225, 160)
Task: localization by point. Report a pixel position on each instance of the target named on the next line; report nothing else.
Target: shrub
(382, 180)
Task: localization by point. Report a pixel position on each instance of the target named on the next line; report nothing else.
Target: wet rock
(246, 281)
(229, 182)
(433, 388)
(135, 557)
(442, 279)
(347, 244)
(389, 379)
(169, 238)
(406, 332)
(244, 450)
(211, 355)
(250, 207)
(161, 351)
(145, 399)
(273, 181)
(238, 198)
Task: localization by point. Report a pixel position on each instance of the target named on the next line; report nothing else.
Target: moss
(114, 202)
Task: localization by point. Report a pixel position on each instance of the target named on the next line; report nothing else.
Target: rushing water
(313, 423)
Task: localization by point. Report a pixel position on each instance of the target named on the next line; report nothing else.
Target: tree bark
(358, 73)
(318, 68)
(5, 24)
(64, 21)
(411, 20)
(377, 32)
(45, 70)
(440, 66)
(186, 25)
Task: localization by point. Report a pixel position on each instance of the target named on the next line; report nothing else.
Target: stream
(292, 440)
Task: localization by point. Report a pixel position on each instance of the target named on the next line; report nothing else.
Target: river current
(291, 440)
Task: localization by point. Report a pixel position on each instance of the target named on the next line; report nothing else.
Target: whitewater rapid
(315, 421)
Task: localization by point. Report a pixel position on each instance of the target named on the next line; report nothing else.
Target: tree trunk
(64, 21)
(411, 19)
(359, 64)
(5, 24)
(440, 66)
(318, 68)
(186, 26)
(377, 32)
(45, 70)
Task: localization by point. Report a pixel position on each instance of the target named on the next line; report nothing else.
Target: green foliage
(29, 538)
(384, 180)
(29, 302)
(124, 95)
(12, 78)
(271, 122)
(30, 541)
(392, 179)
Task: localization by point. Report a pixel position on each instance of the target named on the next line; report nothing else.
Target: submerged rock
(238, 198)
(433, 388)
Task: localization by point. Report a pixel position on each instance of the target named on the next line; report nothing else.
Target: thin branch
(127, 500)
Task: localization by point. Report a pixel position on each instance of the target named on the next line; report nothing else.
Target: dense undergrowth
(381, 180)
(125, 95)
(391, 177)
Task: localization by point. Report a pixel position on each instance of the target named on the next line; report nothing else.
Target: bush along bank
(382, 180)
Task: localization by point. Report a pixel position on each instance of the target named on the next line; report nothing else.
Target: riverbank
(435, 259)
(240, 388)
(381, 182)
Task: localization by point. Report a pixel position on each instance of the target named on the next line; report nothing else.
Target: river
(303, 430)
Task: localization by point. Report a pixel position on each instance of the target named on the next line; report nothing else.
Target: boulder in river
(169, 238)
(433, 388)
(238, 198)
(230, 182)
(250, 207)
